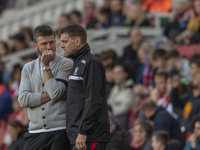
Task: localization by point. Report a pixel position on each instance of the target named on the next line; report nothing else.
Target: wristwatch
(46, 68)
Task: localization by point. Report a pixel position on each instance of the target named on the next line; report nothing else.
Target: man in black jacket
(87, 113)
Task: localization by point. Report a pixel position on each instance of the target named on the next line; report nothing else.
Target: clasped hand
(47, 57)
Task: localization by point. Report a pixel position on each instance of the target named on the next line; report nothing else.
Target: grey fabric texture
(53, 113)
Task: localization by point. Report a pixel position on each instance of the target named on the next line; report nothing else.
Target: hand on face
(47, 57)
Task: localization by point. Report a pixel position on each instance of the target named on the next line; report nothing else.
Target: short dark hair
(43, 30)
(76, 13)
(162, 75)
(109, 66)
(104, 11)
(195, 59)
(73, 31)
(16, 124)
(172, 54)
(149, 105)
(159, 53)
(105, 55)
(146, 127)
(66, 16)
(5, 45)
(194, 120)
(162, 136)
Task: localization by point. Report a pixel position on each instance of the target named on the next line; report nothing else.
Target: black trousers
(92, 146)
(56, 140)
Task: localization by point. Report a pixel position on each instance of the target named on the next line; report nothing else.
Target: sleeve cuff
(83, 133)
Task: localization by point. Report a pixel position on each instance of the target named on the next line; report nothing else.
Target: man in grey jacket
(42, 91)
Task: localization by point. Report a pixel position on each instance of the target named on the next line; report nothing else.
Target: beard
(40, 53)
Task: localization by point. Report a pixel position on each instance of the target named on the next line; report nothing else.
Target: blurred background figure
(194, 140)
(129, 56)
(177, 23)
(28, 36)
(63, 20)
(18, 132)
(88, 14)
(4, 49)
(15, 80)
(160, 140)
(142, 135)
(18, 42)
(19, 113)
(160, 119)
(5, 103)
(136, 17)
(175, 62)
(116, 16)
(122, 98)
(75, 17)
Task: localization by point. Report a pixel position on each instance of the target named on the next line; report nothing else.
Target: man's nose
(49, 46)
(62, 45)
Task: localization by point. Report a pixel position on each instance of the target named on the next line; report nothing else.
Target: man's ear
(78, 41)
(35, 45)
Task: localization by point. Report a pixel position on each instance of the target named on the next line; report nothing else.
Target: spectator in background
(193, 143)
(5, 102)
(193, 105)
(17, 131)
(136, 17)
(28, 35)
(18, 42)
(162, 120)
(3, 5)
(129, 57)
(160, 94)
(106, 4)
(143, 56)
(177, 23)
(4, 74)
(145, 75)
(88, 13)
(118, 136)
(179, 94)
(154, 6)
(192, 32)
(159, 60)
(176, 62)
(19, 113)
(4, 49)
(116, 16)
(107, 57)
(102, 18)
(194, 64)
(15, 80)
(121, 98)
(75, 17)
(109, 78)
(142, 135)
(160, 140)
(63, 20)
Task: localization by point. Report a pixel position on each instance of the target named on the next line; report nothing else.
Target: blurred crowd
(153, 92)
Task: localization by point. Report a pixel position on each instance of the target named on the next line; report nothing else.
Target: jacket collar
(160, 108)
(81, 52)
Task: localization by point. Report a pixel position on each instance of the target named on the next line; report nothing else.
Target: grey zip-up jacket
(53, 113)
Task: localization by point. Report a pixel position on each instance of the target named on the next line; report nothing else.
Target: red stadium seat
(188, 50)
